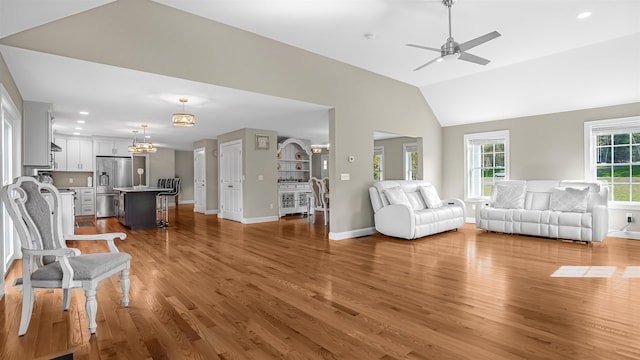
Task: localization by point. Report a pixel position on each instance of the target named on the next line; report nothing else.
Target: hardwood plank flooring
(207, 288)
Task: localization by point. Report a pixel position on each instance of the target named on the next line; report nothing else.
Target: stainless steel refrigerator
(111, 172)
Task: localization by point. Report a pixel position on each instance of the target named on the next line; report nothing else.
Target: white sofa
(413, 218)
(573, 210)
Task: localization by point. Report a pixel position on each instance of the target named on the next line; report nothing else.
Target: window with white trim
(410, 166)
(486, 161)
(612, 154)
(378, 163)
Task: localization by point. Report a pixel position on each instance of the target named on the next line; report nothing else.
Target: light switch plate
(346, 176)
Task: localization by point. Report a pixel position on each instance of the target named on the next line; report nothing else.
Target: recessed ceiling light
(584, 15)
(76, 133)
(84, 113)
(80, 121)
(147, 136)
(78, 128)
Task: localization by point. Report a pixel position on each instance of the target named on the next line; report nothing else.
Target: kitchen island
(137, 206)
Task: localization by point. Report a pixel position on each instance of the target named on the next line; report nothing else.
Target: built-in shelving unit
(294, 171)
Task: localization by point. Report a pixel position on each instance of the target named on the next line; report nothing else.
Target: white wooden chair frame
(14, 198)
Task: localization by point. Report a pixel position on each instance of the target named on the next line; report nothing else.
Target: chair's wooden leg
(125, 283)
(91, 308)
(66, 299)
(27, 308)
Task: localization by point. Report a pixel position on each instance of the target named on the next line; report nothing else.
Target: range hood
(55, 147)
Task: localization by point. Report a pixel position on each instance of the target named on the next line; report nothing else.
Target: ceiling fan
(452, 50)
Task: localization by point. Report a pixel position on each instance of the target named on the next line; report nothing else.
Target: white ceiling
(546, 61)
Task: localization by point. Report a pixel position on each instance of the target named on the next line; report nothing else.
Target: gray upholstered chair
(34, 208)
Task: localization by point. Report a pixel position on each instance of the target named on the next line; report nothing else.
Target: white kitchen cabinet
(111, 146)
(79, 154)
(60, 157)
(37, 135)
(85, 201)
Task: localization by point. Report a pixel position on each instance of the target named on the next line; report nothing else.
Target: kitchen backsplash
(70, 179)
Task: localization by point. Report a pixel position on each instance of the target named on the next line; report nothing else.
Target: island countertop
(145, 189)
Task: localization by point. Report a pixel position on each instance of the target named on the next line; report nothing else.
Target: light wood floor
(209, 288)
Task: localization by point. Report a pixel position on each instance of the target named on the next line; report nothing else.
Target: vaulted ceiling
(547, 59)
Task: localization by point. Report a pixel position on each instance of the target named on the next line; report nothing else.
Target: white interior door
(231, 180)
(199, 181)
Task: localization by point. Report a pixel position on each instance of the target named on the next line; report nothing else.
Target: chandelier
(183, 118)
(143, 146)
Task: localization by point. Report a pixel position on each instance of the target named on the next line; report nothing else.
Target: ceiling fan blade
(472, 58)
(479, 40)
(423, 47)
(429, 63)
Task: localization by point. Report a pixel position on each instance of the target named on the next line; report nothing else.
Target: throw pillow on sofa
(430, 196)
(396, 196)
(569, 199)
(509, 195)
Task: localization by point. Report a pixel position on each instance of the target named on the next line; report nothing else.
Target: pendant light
(183, 119)
(133, 148)
(143, 146)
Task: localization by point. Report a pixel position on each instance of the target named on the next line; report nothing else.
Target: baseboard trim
(207, 212)
(632, 235)
(182, 202)
(259, 220)
(351, 234)
(471, 220)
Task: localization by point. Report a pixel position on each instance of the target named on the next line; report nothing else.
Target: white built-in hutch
(294, 171)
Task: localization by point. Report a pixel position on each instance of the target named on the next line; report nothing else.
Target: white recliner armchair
(411, 209)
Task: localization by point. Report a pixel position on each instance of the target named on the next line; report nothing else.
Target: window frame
(473, 139)
(379, 150)
(626, 125)
(407, 149)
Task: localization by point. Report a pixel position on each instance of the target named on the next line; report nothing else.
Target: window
(378, 163)
(410, 166)
(612, 152)
(486, 161)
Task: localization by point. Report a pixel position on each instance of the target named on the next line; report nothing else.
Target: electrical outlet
(629, 217)
(70, 180)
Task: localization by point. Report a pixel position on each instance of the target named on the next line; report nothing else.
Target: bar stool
(162, 199)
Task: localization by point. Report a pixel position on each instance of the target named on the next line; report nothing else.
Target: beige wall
(71, 178)
(259, 197)
(7, 81)
(184, 170)
(162, 164)
(549, 146)
(361, 101)
(394, 156)
(210, 147)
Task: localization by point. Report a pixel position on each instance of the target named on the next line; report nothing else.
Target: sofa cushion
(429, 216)
(430, 196)
(537, 200)
(396, 196)
(415, 199)
(509, 195)
(569, 199)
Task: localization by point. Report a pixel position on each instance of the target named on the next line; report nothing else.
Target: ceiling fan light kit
(451, 50)
(183, 119)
